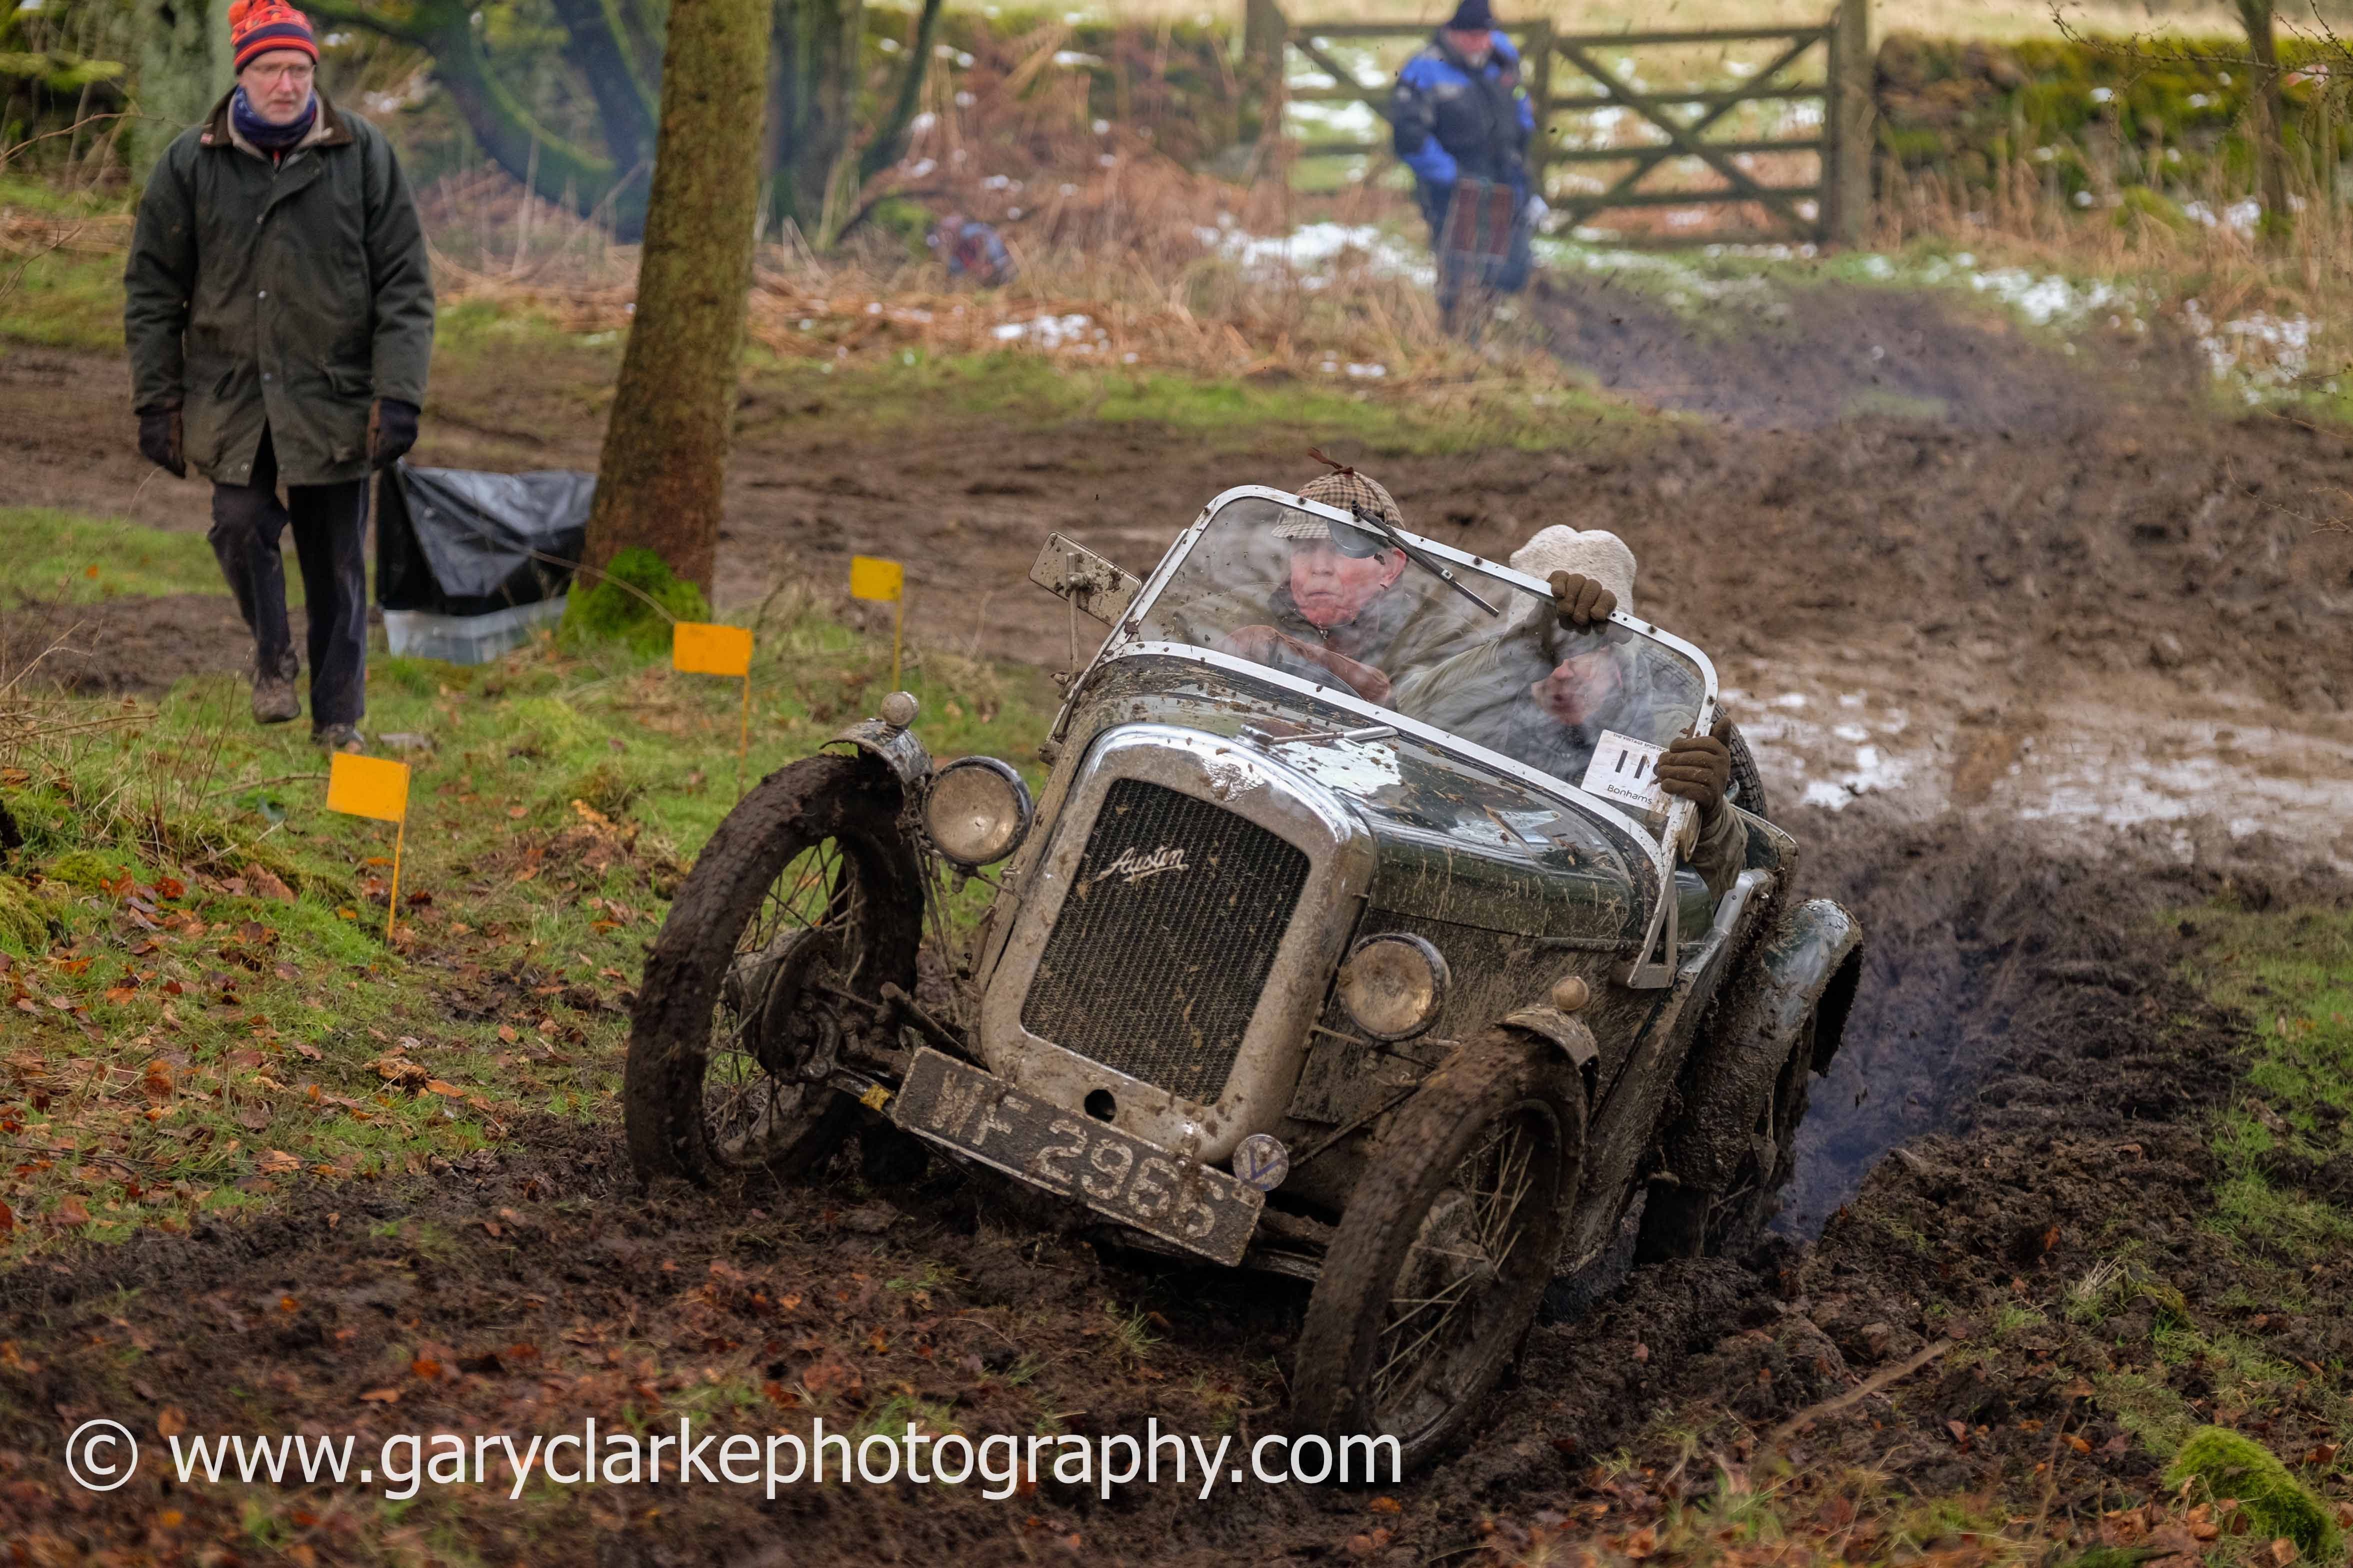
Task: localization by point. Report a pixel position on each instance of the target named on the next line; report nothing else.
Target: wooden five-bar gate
(1563, 74)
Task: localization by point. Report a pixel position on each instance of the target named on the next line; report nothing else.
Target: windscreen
(1350, 608)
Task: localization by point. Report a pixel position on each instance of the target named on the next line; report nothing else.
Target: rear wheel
(1444, 1251)
(1747, 791)
(805, 904)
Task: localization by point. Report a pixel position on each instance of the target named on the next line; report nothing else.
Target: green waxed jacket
(289, 293)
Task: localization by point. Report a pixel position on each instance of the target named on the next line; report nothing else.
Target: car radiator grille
(1166, 940)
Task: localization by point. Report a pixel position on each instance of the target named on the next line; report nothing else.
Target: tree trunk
(180, 73)
(665, 461)
(627, 97)
(890, 144)
(504, 125)
(2267, 119)
(812, 104)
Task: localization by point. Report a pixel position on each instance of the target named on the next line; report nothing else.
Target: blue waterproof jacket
(1451, 119)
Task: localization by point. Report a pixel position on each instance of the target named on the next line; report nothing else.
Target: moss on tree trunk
(184, 67)
(2271, 157)
(665, 459)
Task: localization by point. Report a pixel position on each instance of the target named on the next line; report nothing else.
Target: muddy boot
(337, 737)
(275, 699)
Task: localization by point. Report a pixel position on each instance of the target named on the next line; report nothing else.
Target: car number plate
(1113, 1172)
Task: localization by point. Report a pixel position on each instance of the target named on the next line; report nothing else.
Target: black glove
(1435, 201)
(159, 440)
(392, 430)
(1582, 601)
(1698, 768)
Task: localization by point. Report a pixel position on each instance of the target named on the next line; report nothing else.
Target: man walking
(279, 310)
(1457, 115)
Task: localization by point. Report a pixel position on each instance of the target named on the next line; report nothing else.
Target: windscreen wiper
(1430, 563)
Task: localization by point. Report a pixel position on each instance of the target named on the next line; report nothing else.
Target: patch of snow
(1045, 332)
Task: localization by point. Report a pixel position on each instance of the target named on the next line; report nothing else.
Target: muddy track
(2041, 560)
(541, 1283)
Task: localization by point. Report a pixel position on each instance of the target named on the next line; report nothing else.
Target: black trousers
(329, 533)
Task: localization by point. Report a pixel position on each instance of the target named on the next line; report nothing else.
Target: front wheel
(805, 904)
(1690, 1222)
(1444, 1251)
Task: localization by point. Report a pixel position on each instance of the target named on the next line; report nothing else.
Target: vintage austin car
(1276, 974)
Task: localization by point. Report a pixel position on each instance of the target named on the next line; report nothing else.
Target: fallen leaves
(277, 1163)
(264, 883)
(399, 1071)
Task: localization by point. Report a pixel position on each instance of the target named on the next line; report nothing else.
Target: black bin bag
(450, 542)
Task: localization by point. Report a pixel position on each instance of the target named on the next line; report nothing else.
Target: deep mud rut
(2021, 679)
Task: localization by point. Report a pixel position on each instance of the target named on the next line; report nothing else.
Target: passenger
(972, 249)
(1544, 693)
(1339, 615)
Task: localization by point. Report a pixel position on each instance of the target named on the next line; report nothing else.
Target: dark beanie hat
(1472, 16)
(257, 26)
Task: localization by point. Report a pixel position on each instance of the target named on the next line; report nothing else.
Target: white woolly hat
(1589, 553)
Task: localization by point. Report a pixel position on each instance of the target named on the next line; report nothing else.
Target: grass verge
(62, 557)
(203, 1003)
(1024, 388)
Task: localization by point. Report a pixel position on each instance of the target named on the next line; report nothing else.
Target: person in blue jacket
(1457, 113)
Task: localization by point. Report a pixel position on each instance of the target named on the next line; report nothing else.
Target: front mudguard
(1808, 963)
(895, 747)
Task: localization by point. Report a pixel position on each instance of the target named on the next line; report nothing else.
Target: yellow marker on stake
(701, 647)
(372, 787)
(885, 582)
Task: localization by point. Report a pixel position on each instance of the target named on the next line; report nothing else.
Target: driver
(1544, 693)
(1338, 614)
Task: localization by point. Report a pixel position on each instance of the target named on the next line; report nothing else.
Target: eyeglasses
(297, 73)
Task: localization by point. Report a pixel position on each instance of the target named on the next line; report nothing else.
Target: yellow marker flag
(871, 577)
(367, 786)
(372, 787)
(699, 648)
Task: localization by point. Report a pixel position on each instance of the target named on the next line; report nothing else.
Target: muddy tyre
(1686, 1222)
(1444, 1252)
(1747, 791)
(806, 901)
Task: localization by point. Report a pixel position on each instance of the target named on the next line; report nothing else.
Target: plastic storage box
(468, 639)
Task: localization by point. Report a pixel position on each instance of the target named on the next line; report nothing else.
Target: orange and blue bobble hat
(257, 26)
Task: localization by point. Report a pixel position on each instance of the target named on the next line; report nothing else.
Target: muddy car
(1372, 972)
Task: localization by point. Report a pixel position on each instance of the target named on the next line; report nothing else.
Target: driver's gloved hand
(1699, 769)
(1582, 602)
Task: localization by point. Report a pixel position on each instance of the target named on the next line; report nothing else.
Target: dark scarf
(261, 133)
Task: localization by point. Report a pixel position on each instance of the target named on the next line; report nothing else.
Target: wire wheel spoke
(819, 898)
(1437, 1323)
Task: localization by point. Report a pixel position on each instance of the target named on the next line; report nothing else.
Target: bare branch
(7, 153)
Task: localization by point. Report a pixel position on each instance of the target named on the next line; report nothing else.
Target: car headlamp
(1393, 986)
(978, 811)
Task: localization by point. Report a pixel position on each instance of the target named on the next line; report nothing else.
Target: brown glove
(1582, 601)
(1698, 768)
(159, 443)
